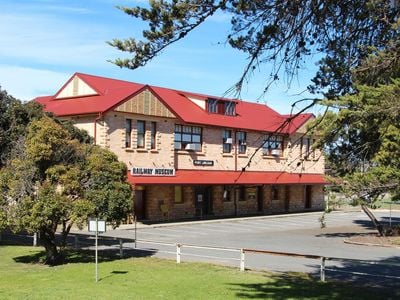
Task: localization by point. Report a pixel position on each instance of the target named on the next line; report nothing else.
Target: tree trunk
(47, 239)
(64, 234)
(374, 221)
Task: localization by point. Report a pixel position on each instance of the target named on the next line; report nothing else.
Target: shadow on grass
(108, 249)
(113, 273)
(70, 256)
(295, 286)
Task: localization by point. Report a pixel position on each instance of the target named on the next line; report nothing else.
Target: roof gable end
(145, 102)
(75, 87)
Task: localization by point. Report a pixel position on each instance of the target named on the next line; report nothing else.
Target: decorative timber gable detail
(76, 87)
(145, 103)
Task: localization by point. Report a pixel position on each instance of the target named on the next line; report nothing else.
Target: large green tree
(358, 76)
(53, 181)
(278, 32)
(362, 134)
(14, 117)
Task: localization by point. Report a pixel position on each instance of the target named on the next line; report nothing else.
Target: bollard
(121, 249)
(241, 260)
(322, 269)
(178, 253)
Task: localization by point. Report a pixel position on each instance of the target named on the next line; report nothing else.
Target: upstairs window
(227, 141)
(221, 107)
(128, 133)
(230, 108)
(153, 133)
(187, 137)
(141, 131)
(273, 145)
(212, 106)
(307, 152)
(241, 141)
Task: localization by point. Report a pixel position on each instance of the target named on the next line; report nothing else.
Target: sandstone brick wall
(288, 199)
(160, 157)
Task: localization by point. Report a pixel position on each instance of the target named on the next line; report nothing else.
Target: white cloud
(47, 39)
(28, 83)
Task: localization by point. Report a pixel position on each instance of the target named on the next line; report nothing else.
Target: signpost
(96, 225)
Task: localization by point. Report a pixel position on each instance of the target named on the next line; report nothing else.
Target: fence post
(121, 250)
(35, 236)
(76, 242)
(322, 269)
(241, 259)
(178, 253)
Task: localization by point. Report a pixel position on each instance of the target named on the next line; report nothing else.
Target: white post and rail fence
(178, 250)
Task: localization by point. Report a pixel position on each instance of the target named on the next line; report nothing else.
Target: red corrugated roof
(112, 92)
(228, 178)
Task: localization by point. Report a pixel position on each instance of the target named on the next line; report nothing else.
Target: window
(187, 137)
(241, 193)
(274, 192)
(153, 131)
(305, 147)
(178, 194)
(221, 107)
(241, 139)
(128, 132)
(212, 106)
(229, 108)
(273, 142)
(226, 194)
(227, 141)
(141, 130)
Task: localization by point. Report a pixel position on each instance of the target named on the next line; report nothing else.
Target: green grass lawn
(22, 277)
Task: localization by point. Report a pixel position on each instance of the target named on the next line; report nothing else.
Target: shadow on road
(299, 286)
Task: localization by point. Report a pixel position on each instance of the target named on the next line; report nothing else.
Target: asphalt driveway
(300, 233)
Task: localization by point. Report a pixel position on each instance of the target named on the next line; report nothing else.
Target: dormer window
(230, 108)
(212, 106)
(222, 107)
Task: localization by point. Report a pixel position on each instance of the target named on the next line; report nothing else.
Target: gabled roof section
(75, 87)
(109, 93)
(96, 94)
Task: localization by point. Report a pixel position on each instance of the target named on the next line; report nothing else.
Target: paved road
(292, 233)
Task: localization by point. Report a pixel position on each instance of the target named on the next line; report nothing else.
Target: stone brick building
(192, 155)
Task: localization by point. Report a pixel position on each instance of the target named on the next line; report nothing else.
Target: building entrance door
(307, 196)
(203, 201)
(140, 207)
(260, 199)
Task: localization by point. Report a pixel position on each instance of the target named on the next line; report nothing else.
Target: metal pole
(96, 258)
(322, 270)
(241, 260)
(121, 250)
(135, 231)
(76, 244)
(178, 253)
(390, 218)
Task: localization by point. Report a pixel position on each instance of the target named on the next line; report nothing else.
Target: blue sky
(43, 42)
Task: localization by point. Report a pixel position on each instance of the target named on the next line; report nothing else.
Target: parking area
(300, 233)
